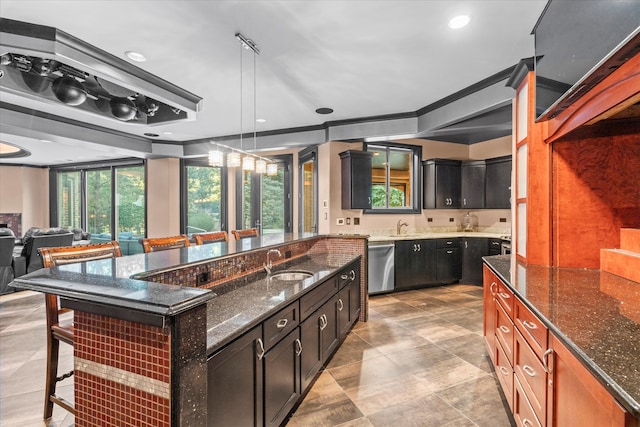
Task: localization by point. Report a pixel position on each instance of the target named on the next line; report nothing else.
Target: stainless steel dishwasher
(381, 267)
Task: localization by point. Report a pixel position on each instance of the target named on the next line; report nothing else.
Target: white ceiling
(361, 58)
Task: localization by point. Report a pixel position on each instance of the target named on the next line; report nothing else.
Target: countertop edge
(602, 377)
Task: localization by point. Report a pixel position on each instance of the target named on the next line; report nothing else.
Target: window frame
(416, 178)
(224, 205)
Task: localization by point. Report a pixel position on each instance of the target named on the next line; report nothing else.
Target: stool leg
(53, 349)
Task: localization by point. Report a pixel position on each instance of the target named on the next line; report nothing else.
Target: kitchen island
(146, 324)
(565, 343)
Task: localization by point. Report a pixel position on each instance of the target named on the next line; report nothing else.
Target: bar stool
(156, 244)
(56, 333)
(216, 236)
(243, 234)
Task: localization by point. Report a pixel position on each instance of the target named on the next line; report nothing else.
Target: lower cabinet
(473, 249)
(235, 383)
(415, 263)
(543, 382)
(257, 379)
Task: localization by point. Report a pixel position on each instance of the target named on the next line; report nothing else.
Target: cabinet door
(354, 299)
(447, 186)
(415, 263)
(282, 378)
(344, 323)
(472, 185)
(575, 397)
(311, 358)
(329, 331)
(473, 249)
(498, 184)
(356, 179)
(235, 387)
(449, 269)
(490, 289)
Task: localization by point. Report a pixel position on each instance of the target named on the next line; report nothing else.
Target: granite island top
(119, 282)
(594, 313)
(232, 313)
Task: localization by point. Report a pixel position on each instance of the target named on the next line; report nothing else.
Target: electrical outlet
(287, 254)
(202, 278)
(503, 219)
(339, 221)
(356, 221)
(429, 219)
(452, 219)
(348, 221)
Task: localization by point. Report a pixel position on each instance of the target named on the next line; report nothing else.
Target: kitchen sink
(291, 275)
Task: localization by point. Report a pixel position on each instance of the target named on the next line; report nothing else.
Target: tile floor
(418, 361)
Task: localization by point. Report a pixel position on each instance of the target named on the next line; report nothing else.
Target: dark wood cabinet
(472, 187)
(473, 249)
(449, 265)
(356, 179)
(235, 383)
(495, 247)
(441, 184)
(415, 263)
(281, 378)
(498, 183)
(311, 358)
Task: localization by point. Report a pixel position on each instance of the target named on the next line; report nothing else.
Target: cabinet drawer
(531, 374)
(347, 276)
(447, 243)
(522, 411)
(505, 298)
(532, 329)
(504, 372)
(280, 324)
(317, 296)
(504, 332)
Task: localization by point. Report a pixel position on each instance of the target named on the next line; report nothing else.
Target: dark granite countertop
(232, 313)
(594, 313)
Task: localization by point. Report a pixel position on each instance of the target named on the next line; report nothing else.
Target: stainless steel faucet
(268, 265)
(399, 226)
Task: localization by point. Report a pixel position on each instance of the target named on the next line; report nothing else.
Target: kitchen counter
(247, 304)
(435, 235)
(595, 314)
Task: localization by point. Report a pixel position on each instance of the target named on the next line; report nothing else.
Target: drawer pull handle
(529, 370)
(449, 252)
(352, 275)
(529, 325)
(260, 349)
(545, 363)
(340, 304)
(344, 277)
(504, 295)
(491, 288)
(526, 422)
(504, 371)
(505, 329)
(298, 347)
(323, 322)
(281, 323)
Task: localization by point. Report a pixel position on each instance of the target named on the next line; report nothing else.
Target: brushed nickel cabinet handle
(529, 325)
(545, 364)
(298, 347)
(504, 329)
(529, 370)
(340, 304)
(260, 349)
(504, 371)
(281, 323)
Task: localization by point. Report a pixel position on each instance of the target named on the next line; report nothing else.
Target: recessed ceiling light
(167, 133)
(151, 135)
(459, 21)
(135, 56)
(261, 120)
(324, 110)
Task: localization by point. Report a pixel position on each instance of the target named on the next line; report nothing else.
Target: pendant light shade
(272, 169)
(261, 166)
(233, 159)
(248, 163)
(216, 158)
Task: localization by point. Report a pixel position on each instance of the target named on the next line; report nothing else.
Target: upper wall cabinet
(498, 183)
(356, 179)
(473, 184)
(441, 186)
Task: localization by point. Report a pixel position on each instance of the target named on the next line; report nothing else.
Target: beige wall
(163, 197)
(25, 190)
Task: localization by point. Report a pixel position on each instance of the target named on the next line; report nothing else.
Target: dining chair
(156, 244)
(216, 236)
(243, 234)
(57, 332)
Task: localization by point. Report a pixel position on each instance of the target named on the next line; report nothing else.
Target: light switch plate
(339, 221)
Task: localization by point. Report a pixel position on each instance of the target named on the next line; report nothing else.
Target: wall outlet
(429, 219)
(339, 221)
(202, 278)
(452, 219)
(356, 221)
(503, 219)
(348, 221)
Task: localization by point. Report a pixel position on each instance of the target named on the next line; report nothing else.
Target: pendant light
(233, 159)
(261, 166)
(216, 157)
(272, 169)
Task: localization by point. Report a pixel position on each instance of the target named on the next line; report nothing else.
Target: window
(204, 195)
(106, 200)
(308, 190)
(264, 201)
(395, 176)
